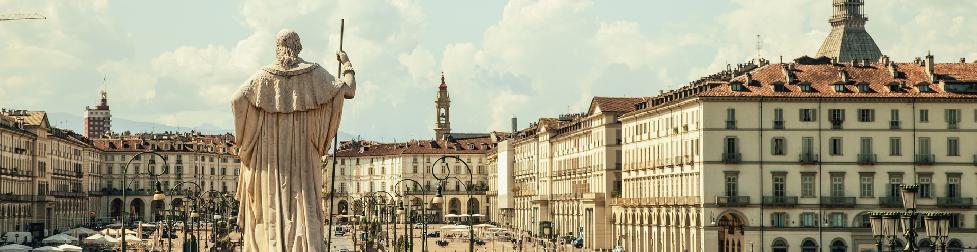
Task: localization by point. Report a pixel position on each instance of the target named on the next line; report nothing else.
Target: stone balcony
(785, 201)
(954, 202)
(732, 200)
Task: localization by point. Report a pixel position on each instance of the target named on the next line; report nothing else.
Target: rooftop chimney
(884, 60)
(963, 60)
(930, 67)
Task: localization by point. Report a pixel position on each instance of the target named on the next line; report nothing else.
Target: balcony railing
(808, 158)
(867, 158)
(730, 124)
(68, 194)
(895, 124)
(780, 200)
(890, 202)
(778, 124)
(838, 201)
(732, 158)
(732, 200)
(975, 159)
(925, 159)
(954, 202)
(836, 124)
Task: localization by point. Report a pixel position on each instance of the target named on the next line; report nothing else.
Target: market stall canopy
(79, 231)
(15, 248)
(70, 248)
(18, 237)
(59, 239)
(47, 248)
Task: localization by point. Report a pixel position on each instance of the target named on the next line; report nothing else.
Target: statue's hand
(342, 57)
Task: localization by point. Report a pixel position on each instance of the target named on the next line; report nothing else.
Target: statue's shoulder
(299, 69)
(277, 90)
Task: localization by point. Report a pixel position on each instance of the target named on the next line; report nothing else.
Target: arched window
(809, 245)
(838, 245)
(779, 245)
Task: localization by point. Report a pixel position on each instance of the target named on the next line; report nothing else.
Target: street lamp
(441, 182)
(404, 193)
(157, 195)
(886, 225)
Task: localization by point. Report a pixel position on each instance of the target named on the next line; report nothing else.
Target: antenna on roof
(759, 46)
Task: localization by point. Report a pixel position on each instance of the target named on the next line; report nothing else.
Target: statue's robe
(285, 120)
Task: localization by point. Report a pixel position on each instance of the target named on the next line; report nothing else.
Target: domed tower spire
(848, 39)
(442, 111)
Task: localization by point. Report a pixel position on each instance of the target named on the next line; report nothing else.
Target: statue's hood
(301, 88)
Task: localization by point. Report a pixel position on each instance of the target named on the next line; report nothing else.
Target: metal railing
(808, 158)
(890, 201)
(895, 124)
(780, 200)
(731, 158)
(954, 202)
(838, 201)
(732, 200)
(925, 159)
(867, 158)
(778, 124)
(730, 124)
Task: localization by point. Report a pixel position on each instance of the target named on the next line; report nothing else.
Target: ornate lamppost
(886, 224)
(191, 195)
(438, 199)
(409, 239)
(157, 196)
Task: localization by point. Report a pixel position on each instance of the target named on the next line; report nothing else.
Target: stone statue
(286, 117)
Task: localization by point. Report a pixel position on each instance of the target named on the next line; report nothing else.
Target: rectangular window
(867, 185)
(779, 185)
(730, 118)
(837, 185)
(807, 185)
(778, 118)
(836, 146)
(953, 187)
(837, 220)
(866, 115)
(895, 146)
(778, 219)
(953, 146)
(925, 186)
(836, 115)
(865, 145)
(732, 146)
(895, 183)
(924, 146)
(808, 115)
(952, 118)
(779, 146)
(924, 115)
(807, 145)
(808, 220)
(731, 185)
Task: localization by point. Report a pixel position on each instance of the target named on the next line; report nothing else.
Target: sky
(179, 62)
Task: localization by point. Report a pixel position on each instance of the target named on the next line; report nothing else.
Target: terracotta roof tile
(823, 77)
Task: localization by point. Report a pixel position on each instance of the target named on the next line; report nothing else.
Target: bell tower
(442, 124)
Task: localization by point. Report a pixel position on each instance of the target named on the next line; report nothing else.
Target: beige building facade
(793, 156)
(562, 175)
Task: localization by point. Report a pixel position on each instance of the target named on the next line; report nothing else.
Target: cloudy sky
(178, 62)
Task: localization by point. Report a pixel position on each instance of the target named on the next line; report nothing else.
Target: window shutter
(800, 115)
(946, 115)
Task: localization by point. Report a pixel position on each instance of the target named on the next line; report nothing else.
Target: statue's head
(288, 47)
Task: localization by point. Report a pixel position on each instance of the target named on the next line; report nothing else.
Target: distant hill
(75, 122)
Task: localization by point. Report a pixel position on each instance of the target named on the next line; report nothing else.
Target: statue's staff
(335, 142)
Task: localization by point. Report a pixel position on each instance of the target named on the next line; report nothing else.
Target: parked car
(419, 225)
(340, 231)
(434, 234)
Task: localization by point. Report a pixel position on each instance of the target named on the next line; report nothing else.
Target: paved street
(459, 244)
